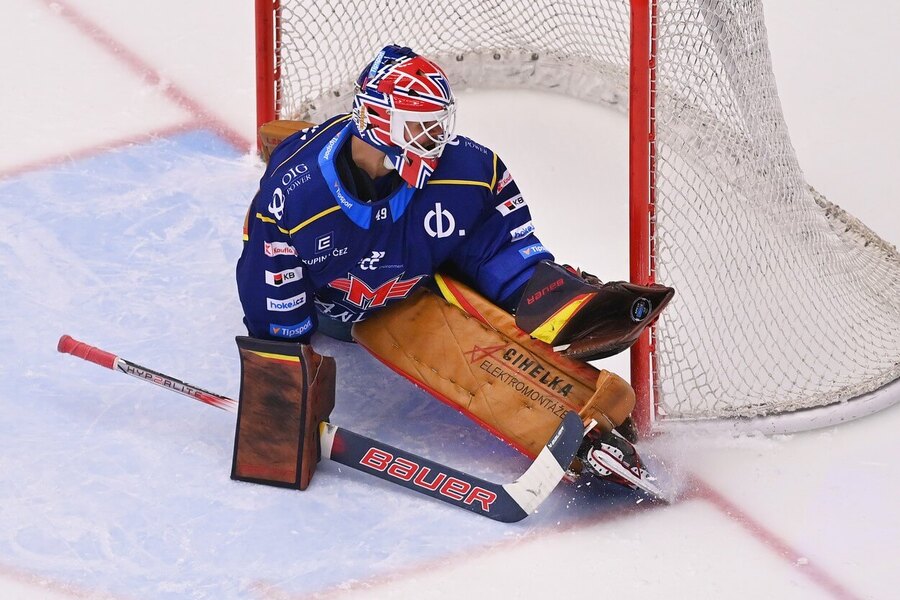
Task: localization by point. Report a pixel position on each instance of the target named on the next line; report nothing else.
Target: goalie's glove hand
(583, 317)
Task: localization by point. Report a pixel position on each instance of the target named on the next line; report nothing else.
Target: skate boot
(611, 457)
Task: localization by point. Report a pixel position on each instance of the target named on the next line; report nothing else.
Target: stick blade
(534, 486)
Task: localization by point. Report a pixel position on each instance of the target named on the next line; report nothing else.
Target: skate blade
(609, 462)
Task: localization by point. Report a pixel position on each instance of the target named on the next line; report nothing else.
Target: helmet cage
(423, 133)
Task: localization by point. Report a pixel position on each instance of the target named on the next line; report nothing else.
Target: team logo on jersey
(440, 223)
(511, 205)
(522, 232)
(283, 277)
(358, 293)
(504, 181)
(279, 249)
(290, 331)
(532, 250)
(287, 304)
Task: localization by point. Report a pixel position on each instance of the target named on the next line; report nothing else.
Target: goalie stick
(507, 503)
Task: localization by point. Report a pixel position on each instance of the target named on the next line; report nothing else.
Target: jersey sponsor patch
(283, 277)
(290, 331)
(324, 242)
(529, 251)
(522, 232)
(294, 178)
(287, 304)
(511, 205)
(467, 143)
(370, 263)
(504, 181)
(279, 249)
(440, 223)
(276, 205)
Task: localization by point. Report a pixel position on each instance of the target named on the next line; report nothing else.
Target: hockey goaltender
(385, 227)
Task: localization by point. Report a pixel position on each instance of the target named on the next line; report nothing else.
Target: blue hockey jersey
(314, 251)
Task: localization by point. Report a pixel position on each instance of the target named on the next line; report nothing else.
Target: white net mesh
(783, 300)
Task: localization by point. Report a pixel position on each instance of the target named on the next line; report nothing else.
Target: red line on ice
(698, 490)
(703, 491)
(203, 118)
(118, 50)
(59, 159)
(265, 589)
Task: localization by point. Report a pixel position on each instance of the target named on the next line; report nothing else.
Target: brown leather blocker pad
(286, 390)
(479, 362)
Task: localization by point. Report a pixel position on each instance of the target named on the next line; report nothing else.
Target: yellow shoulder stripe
(336, 121)
(265, 219)
(459, 182)
(494, 178)
(315, 217)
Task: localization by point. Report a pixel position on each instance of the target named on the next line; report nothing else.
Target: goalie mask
(404, 107)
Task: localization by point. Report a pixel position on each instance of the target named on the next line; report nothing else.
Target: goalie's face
(423, 134)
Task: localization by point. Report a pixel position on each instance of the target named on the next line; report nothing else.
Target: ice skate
(613, 458)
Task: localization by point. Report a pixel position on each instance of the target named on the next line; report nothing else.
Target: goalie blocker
(287, 389)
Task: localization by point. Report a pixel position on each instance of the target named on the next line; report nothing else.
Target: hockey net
(784, 301)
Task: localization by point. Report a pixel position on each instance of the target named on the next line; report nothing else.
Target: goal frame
(642, 201)
(268, 72)
(641, 161)
(646, 169)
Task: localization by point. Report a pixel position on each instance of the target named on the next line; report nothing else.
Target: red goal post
(641, 201)
(268, 22)
(786, 307)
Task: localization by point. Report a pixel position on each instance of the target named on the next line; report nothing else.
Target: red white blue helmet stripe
(404, 107)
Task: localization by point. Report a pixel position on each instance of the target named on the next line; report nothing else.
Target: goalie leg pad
(274, 132)
(286, 390)
(469, 353)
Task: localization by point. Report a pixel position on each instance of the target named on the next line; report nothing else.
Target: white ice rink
(125, 171)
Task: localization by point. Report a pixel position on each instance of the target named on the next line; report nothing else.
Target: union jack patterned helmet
(404, 107)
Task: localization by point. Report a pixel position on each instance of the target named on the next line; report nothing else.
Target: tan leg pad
(471, 355)
(274, 132)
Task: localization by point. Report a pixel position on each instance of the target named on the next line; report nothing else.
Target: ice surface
(113, 488)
